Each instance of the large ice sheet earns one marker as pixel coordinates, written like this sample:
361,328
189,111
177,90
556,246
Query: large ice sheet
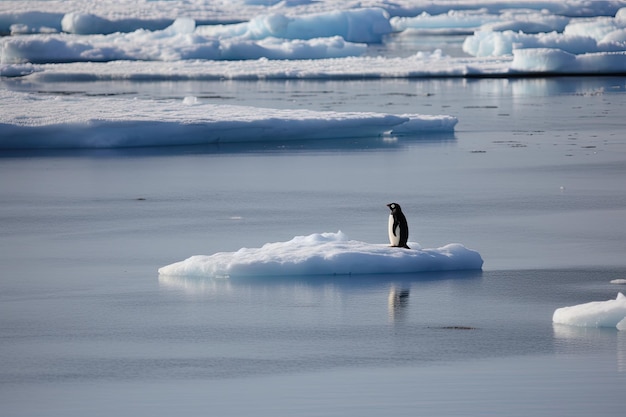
610,313
419,65
180,41
325,254
332,32
108,16
105,122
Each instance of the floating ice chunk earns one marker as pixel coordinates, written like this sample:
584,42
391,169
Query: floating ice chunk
619,281
596,28
542,60
454,21
84,24
611,313
467,21
547,60
325,254
614,40
273,48
191,101
358,25
528,22
179,41
599,34
486,43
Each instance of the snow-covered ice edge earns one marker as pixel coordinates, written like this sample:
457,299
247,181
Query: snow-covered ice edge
610,313
325,254
112,122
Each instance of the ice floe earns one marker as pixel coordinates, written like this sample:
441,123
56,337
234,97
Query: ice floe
468,21
610,313
600,34
325,254
75,122
180,41
420,65
367,25
108,16
173,31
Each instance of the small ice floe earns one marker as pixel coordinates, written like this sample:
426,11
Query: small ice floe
191,101
610,313
619,281
325,254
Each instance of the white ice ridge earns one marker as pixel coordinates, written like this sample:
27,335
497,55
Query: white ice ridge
107,122
180,41
325,254
523,61
419,65
610,313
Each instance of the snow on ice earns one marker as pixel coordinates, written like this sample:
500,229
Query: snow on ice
72,122
610,313
325,254
359,25
528,36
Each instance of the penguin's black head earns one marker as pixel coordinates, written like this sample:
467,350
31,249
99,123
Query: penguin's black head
394,207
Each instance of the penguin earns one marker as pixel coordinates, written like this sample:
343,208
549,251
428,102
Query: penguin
398,227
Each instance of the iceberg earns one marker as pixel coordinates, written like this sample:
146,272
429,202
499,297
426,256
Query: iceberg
325,254
610,313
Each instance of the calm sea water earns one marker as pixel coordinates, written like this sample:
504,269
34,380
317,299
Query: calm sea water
532,179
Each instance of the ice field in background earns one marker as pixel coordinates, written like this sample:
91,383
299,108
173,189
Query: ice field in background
174,31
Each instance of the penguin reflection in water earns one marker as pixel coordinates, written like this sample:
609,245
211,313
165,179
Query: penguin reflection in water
398,227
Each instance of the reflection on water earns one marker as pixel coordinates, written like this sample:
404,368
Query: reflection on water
621,351
195,285
397,303
574,339
398,296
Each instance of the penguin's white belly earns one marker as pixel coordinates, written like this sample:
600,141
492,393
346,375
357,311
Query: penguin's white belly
393,240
